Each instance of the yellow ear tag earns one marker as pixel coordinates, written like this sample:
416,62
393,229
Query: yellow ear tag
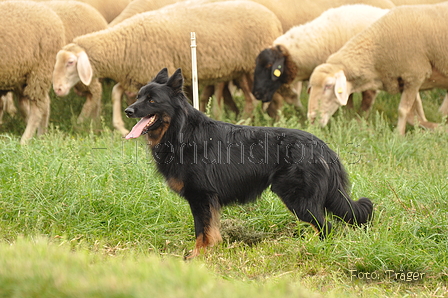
340,90
277,73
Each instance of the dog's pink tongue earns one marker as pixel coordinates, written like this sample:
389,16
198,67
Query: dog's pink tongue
138,128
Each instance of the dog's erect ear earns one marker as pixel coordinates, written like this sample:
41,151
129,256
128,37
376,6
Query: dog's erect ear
176,81
161,77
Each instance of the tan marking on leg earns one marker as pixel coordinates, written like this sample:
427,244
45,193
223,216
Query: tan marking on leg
211,234
175,184
200,246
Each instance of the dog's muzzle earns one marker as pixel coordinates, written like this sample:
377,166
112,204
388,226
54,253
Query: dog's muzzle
129,112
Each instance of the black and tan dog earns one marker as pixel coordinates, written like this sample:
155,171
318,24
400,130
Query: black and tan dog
212,164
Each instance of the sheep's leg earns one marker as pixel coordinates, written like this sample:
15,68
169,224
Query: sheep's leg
37,114
218,106
206,93
92,107
117,120
408,97
297,88
291,93
2,107
368,99
7,105
223,95
274,106
44,106
245,84
444,107
24,107
228,99
420,114
350,104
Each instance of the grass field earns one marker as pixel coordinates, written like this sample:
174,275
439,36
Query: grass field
83,213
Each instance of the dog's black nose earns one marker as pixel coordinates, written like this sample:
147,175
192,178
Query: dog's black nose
129,112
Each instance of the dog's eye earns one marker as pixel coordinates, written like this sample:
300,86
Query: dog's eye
151,101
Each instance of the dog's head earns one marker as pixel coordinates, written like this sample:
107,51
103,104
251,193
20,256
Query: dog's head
156,104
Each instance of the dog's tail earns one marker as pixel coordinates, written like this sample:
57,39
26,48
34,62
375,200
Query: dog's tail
339,202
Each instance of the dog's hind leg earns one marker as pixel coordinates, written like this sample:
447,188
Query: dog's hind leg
306,203
206,213
308,212
307,209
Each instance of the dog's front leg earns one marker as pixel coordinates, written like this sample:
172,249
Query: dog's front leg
206,213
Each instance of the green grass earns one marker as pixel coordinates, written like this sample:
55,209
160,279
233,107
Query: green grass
84,213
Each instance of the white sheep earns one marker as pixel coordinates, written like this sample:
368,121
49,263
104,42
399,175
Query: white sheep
220,90
138,6
31,36
298,12
289,12
109,9
79,19
404,51
444,107
293,56
414,2
229,36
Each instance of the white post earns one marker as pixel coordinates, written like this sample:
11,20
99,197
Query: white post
194,70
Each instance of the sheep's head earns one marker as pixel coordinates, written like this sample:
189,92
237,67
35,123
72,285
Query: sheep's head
72,65
273,68
329,89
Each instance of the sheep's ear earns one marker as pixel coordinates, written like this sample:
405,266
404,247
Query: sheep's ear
176,81
341,88
277,68
85,71
162,76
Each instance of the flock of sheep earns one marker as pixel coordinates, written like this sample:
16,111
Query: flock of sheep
267,47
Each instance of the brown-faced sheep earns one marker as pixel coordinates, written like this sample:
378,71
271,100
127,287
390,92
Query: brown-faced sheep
31,35
404,51
133,51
